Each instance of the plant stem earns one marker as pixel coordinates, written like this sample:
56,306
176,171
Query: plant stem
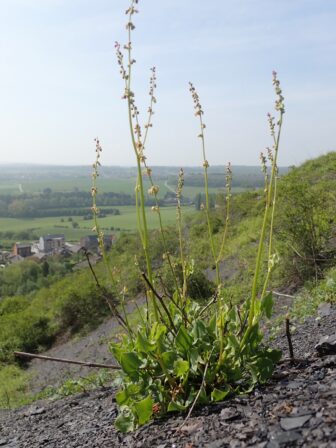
264,226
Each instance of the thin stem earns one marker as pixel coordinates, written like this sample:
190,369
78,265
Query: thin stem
263,229
137,146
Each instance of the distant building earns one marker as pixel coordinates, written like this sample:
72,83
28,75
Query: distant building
73,248
51,243
15,258
90,242
23,250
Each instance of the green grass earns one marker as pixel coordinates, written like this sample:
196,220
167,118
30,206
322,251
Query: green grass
126,221
313,295
13,387
122,185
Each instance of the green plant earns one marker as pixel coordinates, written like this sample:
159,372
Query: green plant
182,352
305,226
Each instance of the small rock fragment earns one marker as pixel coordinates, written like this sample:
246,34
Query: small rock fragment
283,438
324,309
288,423
229,414
326,345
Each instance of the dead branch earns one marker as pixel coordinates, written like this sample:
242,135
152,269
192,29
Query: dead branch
67,361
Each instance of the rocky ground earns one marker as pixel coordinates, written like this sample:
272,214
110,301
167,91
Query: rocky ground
296,408
91,347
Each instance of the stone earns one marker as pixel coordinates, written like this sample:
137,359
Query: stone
34,410
326,345
229,414
288,423
283,438
324,309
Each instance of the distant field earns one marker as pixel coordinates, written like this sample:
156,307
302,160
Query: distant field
104,185
126,221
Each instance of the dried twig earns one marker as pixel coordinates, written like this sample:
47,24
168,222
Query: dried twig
67,361
157,295
289,339
197,396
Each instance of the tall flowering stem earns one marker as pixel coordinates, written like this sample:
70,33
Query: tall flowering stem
95,210
179,225
228,187
198,113
270,197
137,143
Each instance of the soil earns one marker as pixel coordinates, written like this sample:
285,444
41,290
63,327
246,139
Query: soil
297,407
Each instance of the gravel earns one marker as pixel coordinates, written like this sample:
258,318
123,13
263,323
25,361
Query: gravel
296,408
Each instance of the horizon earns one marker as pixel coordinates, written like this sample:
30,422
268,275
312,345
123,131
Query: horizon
60,87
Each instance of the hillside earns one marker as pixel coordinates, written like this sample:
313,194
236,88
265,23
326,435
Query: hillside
52,315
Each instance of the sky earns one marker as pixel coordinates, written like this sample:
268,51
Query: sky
60,86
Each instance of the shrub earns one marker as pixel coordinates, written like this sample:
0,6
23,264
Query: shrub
305,225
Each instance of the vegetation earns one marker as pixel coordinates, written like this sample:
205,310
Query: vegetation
183,352
306,222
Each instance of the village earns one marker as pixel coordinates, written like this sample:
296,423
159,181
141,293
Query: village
55,245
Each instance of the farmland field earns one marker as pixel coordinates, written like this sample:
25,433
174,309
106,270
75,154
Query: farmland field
126,221
105,185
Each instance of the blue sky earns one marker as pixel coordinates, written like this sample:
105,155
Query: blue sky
60,86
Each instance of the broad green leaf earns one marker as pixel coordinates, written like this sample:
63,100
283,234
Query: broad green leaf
266,368
144,409
212,324
233,343
183,340
199,331
121,397
274,355
157,330
219,395
143,344
202,398
130,362
173,407
168,359
266,305
181,367
194,358
133,389
125,422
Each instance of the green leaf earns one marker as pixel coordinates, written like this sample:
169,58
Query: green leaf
233,343
266,305
212,324
181,367
157,331
125,422
219,395
173,406
143,344
266,368
274,355
262,368
183,340
144,409
194,358
121,397
168,359
199,331
134,389
130,362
